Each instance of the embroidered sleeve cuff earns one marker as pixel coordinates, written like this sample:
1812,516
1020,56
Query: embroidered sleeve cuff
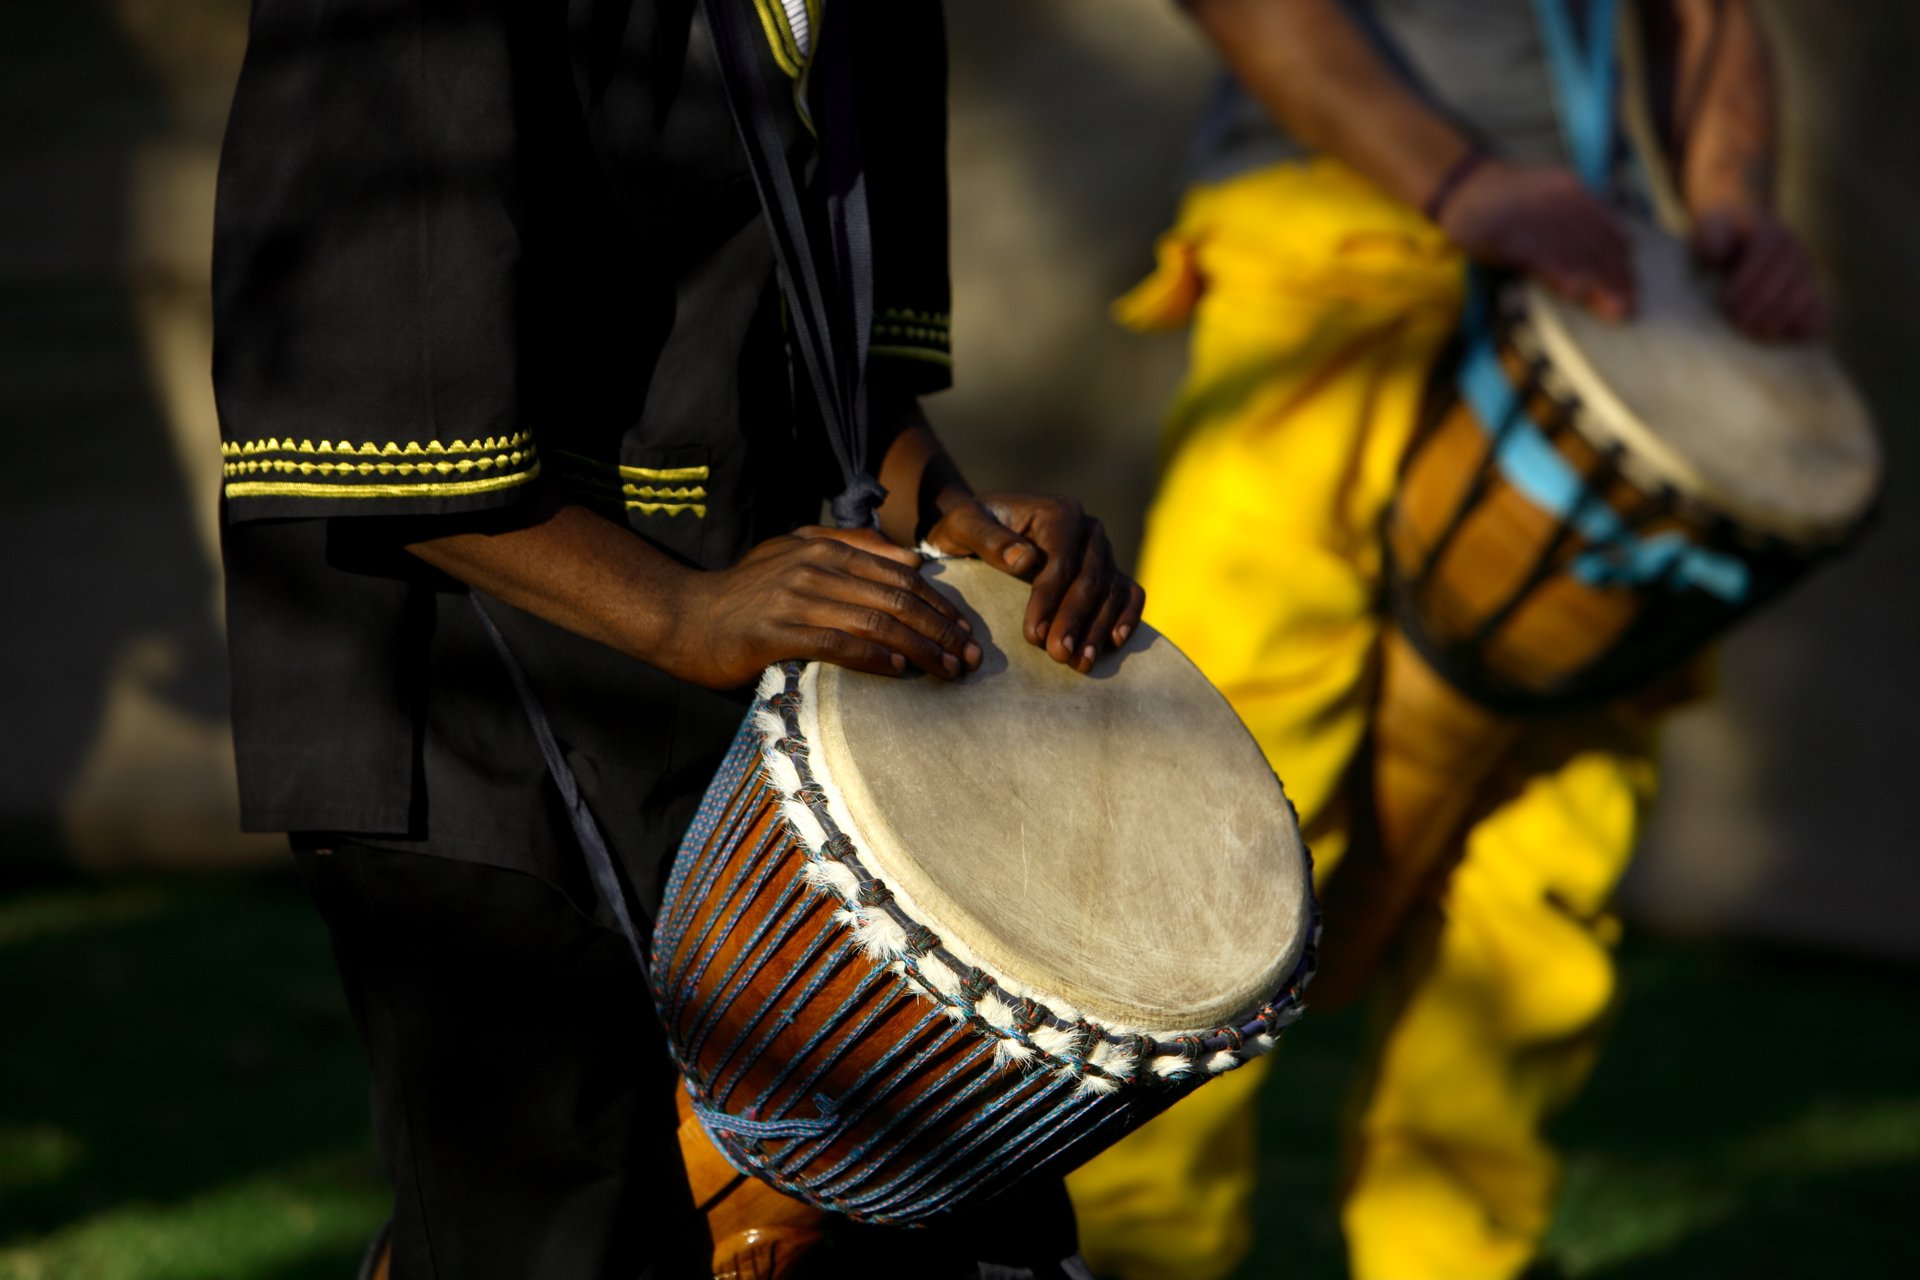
286,477
917,344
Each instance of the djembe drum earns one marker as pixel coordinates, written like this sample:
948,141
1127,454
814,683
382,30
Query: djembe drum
925,939
1596,502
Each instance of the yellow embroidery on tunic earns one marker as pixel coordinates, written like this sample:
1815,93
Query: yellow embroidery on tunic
667,491
254,466
370,448
929,354
928,319
786,50
913,335
663,473
442,489
699,509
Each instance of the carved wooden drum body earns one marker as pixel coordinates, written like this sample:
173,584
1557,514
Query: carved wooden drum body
926,939
1600,499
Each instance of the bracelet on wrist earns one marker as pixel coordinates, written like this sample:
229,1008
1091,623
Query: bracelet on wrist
1435,205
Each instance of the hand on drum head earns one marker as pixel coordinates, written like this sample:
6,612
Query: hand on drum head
1082,602
1541,220
845,596
1771,291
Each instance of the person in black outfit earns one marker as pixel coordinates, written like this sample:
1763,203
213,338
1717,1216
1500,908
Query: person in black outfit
497,319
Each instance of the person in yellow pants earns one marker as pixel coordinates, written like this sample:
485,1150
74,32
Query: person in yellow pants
1319,301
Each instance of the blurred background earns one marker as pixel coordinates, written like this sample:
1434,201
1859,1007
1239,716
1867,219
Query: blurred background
180,1093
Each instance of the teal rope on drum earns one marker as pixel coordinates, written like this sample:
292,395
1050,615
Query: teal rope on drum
1617,555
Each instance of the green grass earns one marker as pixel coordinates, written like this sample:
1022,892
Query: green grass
181,1098
180,1089
1754,1114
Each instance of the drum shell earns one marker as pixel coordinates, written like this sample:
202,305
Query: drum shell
1482,579
771,1009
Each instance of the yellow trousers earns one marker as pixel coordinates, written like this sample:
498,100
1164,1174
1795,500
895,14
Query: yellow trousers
1317,308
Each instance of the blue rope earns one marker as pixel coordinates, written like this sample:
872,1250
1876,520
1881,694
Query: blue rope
1007,1108
875,981
1616,555
726,1070
862,1150
739,895
717,1121
737,975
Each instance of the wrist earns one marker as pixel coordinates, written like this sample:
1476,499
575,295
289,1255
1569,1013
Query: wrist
667,628
1447,186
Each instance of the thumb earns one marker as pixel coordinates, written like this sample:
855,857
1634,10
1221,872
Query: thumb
969,529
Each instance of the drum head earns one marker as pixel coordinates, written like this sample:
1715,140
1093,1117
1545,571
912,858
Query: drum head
1114,841
1773,436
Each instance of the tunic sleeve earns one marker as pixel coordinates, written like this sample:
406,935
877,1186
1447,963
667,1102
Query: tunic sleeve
902,101
370,248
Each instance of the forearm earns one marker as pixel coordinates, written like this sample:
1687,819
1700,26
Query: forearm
1315,72
1726,112
580,571
921,480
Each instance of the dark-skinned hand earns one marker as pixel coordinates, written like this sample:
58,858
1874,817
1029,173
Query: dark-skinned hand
849,597
1542,220
1082,602
1771,292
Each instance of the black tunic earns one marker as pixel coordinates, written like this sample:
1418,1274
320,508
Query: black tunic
468,249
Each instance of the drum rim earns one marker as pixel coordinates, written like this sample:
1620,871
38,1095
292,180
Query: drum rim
1532,321
1030,1026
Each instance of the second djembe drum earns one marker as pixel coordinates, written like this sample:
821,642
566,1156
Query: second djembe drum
1601,499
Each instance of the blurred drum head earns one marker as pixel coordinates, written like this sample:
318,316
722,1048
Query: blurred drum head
1773,436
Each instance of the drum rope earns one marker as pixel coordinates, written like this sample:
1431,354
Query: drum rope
1528,460
737,975
739,1053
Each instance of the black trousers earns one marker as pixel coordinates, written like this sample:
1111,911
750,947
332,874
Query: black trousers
521,1093
523,1097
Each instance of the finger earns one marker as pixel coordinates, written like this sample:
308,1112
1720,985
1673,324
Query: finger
874,569
1716,239
871,541
871,623
946,631
1105,620
1074,619
1761,296
1060,533
823,644
1810,317
1610,289
971,530
1129,620
1802,309
1579,284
